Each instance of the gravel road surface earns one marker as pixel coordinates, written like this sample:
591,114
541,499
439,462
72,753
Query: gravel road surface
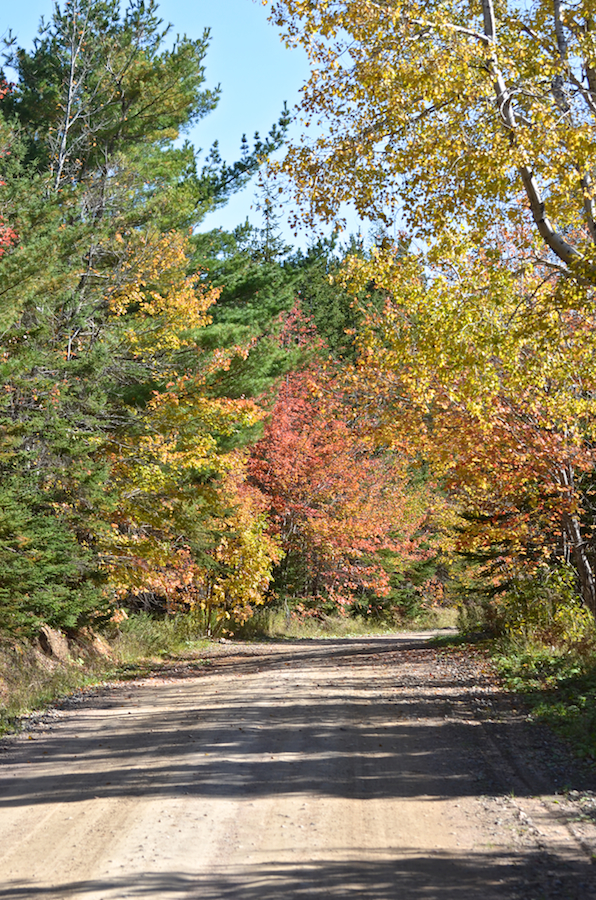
376,768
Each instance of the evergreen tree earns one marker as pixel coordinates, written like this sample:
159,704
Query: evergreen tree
258,291
102,99
99,315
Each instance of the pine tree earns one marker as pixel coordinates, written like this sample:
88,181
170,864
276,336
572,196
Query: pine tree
99,315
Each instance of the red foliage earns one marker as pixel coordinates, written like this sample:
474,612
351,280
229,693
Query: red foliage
333,501
8,237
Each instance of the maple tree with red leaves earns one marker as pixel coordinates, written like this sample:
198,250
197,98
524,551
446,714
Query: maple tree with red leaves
333,500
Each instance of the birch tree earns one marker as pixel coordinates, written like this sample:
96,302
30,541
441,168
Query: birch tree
494,382
445,113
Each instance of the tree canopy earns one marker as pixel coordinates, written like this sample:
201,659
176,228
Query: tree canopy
452,115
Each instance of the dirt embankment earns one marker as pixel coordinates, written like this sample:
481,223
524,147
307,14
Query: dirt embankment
376,768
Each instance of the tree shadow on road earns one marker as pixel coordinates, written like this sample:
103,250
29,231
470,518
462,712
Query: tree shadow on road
440,876
397,735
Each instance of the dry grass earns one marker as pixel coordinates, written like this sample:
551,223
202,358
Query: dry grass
30,680
278,624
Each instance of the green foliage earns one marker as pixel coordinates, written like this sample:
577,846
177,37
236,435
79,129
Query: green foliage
545,607
547,652
47,574
571,709
102,98
416,591
261,283
542,605
558,682
111,447
337,313
257,293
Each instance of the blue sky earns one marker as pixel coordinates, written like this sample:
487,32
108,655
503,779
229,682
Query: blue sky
256,72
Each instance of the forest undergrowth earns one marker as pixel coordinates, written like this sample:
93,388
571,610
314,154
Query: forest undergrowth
558,683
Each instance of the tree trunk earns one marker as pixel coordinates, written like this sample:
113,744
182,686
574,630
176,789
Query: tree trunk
581,562
576,544
557,243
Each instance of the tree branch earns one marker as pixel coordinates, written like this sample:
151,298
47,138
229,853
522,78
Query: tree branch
560,247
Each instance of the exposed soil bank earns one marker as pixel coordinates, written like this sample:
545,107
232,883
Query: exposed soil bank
377,768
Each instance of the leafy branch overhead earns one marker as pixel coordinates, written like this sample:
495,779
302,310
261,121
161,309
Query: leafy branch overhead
223,180
445,115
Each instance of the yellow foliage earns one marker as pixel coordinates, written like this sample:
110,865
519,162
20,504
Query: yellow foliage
154,294
174,483
247,555
448,112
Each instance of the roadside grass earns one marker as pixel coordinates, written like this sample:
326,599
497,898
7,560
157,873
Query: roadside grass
142,638
558,683
31,681
278,624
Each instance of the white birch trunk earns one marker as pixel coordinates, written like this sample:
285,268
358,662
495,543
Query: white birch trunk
576,544
565,251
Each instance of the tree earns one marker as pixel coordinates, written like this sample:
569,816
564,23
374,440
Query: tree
244,557
8,236
444,115
491,370
102,87
111,449
337,312
165,456
333,501
471,124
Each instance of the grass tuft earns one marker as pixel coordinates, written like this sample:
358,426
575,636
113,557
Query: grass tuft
280,624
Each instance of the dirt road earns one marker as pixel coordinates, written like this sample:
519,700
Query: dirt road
373,768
